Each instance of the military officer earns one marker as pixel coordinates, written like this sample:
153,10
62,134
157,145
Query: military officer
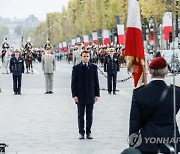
6,55
28,46
77,55
152,110
5,47
17,68
47,46
48,67
5,44
111,66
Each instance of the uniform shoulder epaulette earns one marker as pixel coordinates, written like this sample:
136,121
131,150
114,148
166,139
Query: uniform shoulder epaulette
139,87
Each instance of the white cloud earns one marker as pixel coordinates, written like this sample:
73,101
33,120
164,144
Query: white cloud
24,8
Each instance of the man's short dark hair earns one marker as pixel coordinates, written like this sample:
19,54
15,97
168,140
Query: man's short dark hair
85,51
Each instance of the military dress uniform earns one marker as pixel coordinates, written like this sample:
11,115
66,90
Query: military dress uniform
28,46
48,67
111,66
5,47
153,118
47,46
17,68
76,57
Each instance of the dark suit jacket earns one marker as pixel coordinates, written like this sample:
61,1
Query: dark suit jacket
16,66
144,100
111,66
85,83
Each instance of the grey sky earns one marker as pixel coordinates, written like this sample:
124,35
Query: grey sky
24,8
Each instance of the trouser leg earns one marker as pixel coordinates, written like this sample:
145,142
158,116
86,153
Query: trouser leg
15,83
114,82
19,77
89,118
81,111
51,81
47,81
109,82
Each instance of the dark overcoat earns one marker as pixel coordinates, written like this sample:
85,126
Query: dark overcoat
85,83
144,101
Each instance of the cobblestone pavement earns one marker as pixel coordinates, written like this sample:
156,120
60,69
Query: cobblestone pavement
35,123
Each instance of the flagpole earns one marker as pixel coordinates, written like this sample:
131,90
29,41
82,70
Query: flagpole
174,92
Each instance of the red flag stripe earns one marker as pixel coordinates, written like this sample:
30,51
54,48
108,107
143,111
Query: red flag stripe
134,45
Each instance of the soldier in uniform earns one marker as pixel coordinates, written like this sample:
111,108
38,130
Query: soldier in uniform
48,67
6,55
76,54
111,66
17,68
5,47
152,111
47,46
28,46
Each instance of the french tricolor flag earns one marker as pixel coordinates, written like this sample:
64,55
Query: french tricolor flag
106,39
134,47
121,37
86,40
95,37
167,24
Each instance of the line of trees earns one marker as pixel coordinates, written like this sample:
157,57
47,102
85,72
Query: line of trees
85,16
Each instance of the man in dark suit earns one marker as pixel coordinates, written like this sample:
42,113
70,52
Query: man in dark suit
85,91
150,116
111,66
17,68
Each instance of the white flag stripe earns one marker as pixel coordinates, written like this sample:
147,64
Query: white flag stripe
78,39
120,29
105,33
86,38
73,41
94,35
167,19
60,45
64,44
134,19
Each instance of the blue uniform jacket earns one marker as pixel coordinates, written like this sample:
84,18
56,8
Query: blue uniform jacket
16,66
111,66
144,100
85,83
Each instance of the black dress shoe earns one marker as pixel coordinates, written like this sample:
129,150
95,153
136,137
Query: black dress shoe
15,93
47,92
50,92
89,136
81,136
